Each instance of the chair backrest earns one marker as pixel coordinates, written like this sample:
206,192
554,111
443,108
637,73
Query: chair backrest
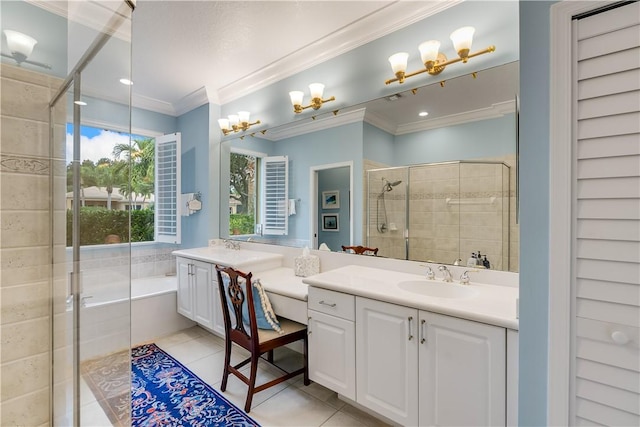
235,291
361,250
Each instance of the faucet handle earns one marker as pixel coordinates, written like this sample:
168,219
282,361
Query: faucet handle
430,274
464,278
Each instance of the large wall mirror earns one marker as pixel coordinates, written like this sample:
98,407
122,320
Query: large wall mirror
437,187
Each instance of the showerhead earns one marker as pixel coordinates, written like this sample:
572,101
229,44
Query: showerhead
388,186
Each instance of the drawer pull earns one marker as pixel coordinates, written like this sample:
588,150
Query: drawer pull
410,318
330,304
619,337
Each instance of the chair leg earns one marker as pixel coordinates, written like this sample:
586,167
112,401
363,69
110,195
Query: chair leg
270,356
306,361
227,362
252,382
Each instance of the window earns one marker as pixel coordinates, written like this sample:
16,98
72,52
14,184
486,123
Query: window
117,177
257,189
167,176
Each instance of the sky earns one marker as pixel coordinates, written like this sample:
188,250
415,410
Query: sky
95,143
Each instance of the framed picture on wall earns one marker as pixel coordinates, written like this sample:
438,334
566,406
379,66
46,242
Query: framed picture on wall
331,199
330,222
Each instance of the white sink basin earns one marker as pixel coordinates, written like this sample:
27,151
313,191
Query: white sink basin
437,289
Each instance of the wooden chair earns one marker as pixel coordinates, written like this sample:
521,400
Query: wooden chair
361,250
256,341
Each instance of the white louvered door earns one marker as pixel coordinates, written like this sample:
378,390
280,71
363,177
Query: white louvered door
605,378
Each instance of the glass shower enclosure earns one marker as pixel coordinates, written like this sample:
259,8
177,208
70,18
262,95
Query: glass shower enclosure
441,212
91,338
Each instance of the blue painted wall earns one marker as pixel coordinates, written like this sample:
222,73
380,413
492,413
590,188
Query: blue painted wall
534,208
378,145
194,127
481,139
331,180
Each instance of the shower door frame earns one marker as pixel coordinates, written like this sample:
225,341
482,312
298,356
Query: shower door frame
74,78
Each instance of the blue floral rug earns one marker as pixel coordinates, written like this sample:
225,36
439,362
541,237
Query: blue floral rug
162,392
165,393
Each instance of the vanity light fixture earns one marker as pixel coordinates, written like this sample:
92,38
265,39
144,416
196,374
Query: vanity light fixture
236,122
434,61
316,90
21,46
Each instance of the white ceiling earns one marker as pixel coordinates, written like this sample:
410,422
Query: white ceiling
187,53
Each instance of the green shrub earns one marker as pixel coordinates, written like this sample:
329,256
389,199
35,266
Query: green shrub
97,223
241,224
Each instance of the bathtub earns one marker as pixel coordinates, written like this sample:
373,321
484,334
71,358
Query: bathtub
105,314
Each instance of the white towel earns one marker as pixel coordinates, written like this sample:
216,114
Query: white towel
292,207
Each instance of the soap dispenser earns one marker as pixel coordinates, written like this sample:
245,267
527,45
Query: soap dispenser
472,261
486,263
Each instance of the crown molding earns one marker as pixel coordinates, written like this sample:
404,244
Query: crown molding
303,126
384,21
493,112
152,104
380,122
91,14
195,99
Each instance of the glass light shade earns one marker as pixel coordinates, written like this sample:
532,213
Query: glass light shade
398,61
224,124
233,119
316,90
244,116
429,50
296,97
462,38
20,43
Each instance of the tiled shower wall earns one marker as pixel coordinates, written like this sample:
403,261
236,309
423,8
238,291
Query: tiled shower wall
26,251
452,213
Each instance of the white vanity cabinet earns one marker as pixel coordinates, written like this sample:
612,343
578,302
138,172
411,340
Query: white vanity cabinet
331,329
421,368
195,291
461,372
387,360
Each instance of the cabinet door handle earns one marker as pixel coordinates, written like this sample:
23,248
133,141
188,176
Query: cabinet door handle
327,303
410,318
309,325
423,338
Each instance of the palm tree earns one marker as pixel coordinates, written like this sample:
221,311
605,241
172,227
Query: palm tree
109,174
139,168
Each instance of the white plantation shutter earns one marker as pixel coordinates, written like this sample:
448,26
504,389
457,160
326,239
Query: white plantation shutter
167,189
606,216
275,180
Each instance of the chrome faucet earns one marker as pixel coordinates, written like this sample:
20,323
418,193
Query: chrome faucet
231,244
464,278
446,274
430,274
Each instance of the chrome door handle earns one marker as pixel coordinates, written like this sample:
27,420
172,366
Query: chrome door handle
410,318
422,334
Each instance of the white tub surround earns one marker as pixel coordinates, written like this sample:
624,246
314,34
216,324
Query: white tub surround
491,304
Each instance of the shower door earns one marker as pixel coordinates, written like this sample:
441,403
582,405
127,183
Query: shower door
91,334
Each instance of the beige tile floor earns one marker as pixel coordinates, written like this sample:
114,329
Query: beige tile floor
287,404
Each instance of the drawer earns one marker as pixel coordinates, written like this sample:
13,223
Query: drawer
331,302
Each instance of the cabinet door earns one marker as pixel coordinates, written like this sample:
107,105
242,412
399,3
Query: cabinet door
203,302
387,359
332,353
218,319
462,372
185,296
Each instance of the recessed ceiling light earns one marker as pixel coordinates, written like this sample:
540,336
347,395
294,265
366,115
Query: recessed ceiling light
126,82
423,114
82,103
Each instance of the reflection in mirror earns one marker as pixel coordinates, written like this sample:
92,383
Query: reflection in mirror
469,118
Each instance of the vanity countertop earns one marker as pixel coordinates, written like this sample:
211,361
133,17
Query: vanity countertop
491,304
243,258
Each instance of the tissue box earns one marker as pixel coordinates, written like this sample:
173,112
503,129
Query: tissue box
306,265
